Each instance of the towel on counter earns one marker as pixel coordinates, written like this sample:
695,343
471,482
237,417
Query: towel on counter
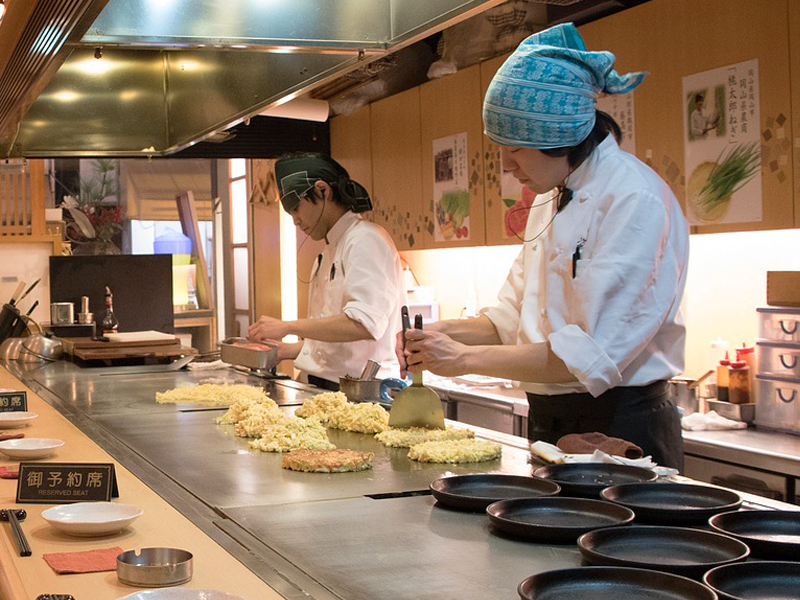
208,366
586,443
7,473
88,561
710,421
548,453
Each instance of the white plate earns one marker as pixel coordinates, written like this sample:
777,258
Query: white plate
180,593
21,449
15,419
87,519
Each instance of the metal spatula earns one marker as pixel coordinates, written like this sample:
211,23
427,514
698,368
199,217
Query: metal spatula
416,405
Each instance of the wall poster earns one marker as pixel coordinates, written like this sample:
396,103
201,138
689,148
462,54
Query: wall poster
721,130
451,188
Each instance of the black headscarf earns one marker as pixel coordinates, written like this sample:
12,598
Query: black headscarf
296,175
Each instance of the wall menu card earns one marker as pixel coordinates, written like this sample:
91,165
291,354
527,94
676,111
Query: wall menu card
13,401
61,483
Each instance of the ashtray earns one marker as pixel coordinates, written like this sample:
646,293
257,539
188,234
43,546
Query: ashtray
154,567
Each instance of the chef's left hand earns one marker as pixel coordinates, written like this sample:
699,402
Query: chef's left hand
435,352
267,328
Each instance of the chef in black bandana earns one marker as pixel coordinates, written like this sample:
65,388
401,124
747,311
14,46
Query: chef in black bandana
356,285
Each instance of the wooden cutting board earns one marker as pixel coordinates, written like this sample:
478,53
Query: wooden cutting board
89,349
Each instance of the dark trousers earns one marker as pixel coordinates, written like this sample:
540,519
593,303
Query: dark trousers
643,415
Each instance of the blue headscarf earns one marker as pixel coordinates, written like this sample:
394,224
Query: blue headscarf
544,94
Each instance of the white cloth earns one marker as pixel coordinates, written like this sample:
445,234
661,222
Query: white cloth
710,421
360,274
208,366
617,322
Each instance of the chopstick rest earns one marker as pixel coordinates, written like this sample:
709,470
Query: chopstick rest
14,516
6,473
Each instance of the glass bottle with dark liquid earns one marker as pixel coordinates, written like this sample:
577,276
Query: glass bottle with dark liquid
110,324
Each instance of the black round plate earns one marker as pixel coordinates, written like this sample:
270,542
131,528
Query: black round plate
477,491
757,580
617,583
673,503
678,550
773,534
586,480
555,519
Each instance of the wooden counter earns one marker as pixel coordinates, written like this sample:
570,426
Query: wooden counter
161,525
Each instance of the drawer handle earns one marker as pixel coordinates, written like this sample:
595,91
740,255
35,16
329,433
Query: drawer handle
789,399
793,361
786,331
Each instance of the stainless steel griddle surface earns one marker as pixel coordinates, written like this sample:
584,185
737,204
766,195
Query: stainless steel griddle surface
211,462
400,548
97,392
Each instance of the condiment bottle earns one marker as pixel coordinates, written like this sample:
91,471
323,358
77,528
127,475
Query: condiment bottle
722,378
739,382
748,354
110,323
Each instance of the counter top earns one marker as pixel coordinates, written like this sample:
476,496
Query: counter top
160,525
350,536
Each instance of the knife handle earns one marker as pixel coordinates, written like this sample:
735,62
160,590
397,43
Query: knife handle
406,323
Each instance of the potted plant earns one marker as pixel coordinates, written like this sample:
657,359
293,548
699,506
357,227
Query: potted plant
95,217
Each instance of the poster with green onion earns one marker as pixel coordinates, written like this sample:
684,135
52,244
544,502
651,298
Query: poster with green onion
451,189
721,128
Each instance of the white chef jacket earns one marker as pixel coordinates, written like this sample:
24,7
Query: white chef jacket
617,321
359,273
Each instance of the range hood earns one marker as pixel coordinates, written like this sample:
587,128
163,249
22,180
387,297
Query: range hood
129,78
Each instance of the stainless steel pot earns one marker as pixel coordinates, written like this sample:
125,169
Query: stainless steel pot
369,390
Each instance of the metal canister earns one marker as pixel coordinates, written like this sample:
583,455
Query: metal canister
62,313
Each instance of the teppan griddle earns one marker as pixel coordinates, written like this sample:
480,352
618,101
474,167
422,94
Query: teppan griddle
677,550
673,503
555,519
477,491
757,580
619,583
586,480
773,534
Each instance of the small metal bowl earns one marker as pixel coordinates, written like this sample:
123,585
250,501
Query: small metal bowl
154,567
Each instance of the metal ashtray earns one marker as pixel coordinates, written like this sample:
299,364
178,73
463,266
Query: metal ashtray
154,567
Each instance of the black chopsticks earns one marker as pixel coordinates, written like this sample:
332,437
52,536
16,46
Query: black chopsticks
14,516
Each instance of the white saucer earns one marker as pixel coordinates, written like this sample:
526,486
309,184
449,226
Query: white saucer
9,420
180,593
88,519
24,448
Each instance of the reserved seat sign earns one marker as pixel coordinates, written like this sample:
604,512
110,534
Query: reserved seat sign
13,401
62,483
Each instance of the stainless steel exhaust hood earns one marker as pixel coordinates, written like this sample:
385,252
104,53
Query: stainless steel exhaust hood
151,77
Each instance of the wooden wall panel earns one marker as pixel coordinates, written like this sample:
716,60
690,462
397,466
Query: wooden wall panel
450,106
351,145
396,168
495,207
675,38
794,62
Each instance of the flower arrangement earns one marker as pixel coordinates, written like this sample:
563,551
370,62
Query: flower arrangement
92,217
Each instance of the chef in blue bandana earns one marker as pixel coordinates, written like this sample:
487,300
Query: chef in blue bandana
589,318
356,286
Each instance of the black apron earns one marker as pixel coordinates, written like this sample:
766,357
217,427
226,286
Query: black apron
643,415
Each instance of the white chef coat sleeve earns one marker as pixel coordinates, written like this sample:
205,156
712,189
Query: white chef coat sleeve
505,315
622,293
373,280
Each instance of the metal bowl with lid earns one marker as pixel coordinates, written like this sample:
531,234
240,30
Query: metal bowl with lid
154,567
42,346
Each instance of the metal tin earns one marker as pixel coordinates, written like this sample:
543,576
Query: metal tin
255,358
154,567
62,313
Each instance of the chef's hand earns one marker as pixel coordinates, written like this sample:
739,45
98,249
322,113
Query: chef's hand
433,351
267,328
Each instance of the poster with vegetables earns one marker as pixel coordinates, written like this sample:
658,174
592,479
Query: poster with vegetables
450,188
721,130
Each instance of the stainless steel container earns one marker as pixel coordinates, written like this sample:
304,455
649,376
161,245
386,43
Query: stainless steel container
779,324
778,403
682,395
62,313
360,390
781,359
243,352
154,567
